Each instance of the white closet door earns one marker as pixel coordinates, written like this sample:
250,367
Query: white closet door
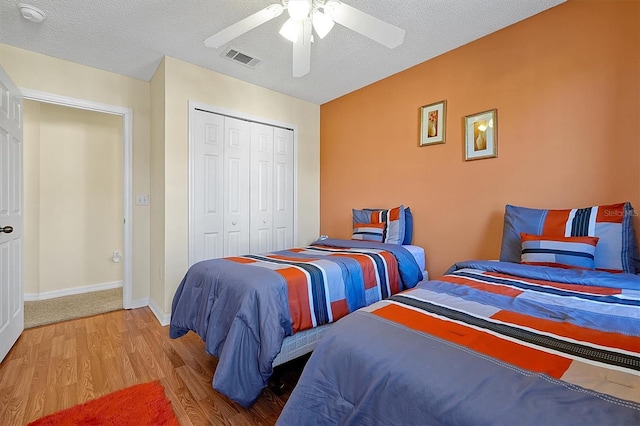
261,188
11,220
208,194
236,186
242,184
283,172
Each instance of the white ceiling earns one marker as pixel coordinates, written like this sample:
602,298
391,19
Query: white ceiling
130,37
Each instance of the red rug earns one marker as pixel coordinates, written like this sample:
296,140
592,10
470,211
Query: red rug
139,405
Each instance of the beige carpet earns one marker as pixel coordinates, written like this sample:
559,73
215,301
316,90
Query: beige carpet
70,307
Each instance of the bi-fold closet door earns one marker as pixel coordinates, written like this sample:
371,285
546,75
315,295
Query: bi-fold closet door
243,187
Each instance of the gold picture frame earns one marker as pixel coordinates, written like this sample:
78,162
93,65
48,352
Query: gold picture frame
433,123
481,135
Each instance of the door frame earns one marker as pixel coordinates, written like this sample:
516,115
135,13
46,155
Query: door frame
127,171
194,105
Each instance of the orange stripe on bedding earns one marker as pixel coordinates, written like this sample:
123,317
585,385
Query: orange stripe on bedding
489,288
376,217
583,334
573,287
339,308
479,341
298,294
241,259
613,271
394,214
555,224
613,213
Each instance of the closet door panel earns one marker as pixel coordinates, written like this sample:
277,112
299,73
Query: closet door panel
236,183
208,176
261,188
243,187
283,188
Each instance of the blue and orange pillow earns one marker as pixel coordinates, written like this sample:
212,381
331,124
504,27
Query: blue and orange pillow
616,249
368,231
394,220
559,252
408,224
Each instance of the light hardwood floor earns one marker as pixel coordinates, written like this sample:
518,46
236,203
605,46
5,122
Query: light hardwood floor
59,365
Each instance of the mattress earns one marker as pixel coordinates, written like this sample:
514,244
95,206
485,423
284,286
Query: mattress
305,341
418,254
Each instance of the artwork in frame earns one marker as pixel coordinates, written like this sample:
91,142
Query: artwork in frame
432,123
481,135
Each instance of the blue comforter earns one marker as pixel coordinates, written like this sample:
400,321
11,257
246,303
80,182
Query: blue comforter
241,312
488,343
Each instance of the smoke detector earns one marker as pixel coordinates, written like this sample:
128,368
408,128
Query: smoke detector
31,13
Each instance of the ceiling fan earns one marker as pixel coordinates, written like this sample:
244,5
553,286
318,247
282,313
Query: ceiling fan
305,15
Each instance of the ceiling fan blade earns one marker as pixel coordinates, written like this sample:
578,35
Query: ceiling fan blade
244,25
365,24
302,51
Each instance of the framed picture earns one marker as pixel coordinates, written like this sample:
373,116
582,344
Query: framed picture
432,123
481,135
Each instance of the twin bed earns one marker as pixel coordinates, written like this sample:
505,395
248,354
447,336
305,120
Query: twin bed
257,311
550,334
488,343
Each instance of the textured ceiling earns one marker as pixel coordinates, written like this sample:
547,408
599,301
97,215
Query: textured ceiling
131,37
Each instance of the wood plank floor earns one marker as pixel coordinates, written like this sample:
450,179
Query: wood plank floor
56,366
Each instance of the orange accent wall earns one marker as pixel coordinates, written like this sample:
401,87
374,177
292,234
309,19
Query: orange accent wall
566,84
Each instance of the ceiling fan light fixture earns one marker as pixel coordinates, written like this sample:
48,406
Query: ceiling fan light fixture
330,7
291,30
299,9
321,23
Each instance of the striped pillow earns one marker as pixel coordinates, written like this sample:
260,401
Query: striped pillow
560,252
393,218
617,249
368,231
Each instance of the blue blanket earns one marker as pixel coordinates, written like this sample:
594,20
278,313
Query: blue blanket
241,311
488,343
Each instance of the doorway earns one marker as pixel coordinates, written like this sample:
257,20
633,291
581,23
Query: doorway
118,253
72,213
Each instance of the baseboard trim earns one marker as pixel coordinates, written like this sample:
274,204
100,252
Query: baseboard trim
163,319
138,303
33,297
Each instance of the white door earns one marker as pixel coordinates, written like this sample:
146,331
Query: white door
209,177
237,152
261,216
283,173
11,279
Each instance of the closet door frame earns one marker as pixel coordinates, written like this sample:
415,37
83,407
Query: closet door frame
193,106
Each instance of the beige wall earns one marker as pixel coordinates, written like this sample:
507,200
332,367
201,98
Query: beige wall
31,184
566,84
160,148
185,82
73,197
157,186
39,72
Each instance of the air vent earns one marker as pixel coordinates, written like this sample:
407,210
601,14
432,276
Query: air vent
241,58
